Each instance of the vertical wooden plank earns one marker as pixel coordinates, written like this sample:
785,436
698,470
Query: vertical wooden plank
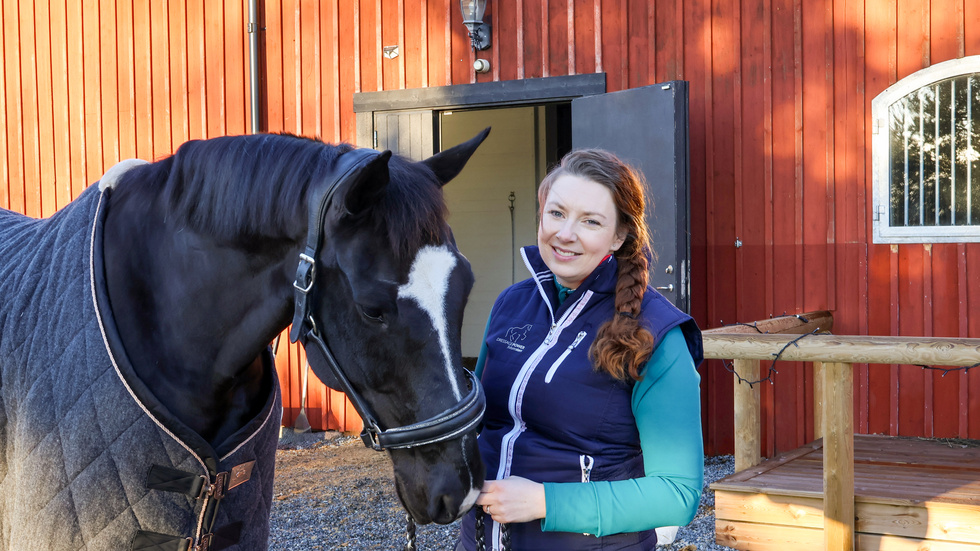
76,95
818,122
309,61
214,70
159,32
913,52
782,184
880,44
109,92
838,458
235,44
93,91
945,315
669,35
973,300
597,40
640,40
850,208
292,85
819,400
971,28
197,103
331,72
29,98
613,50
531,39
943,308
715,388
438,33
390,23
542,19
558,39
416,50
179,98
572,34
143,79
11,104
722,168
350,78
369,53
963,377
509,35
273,46
753,212
59,84
45,104
748,431
125,80
911,379
583,30
6,191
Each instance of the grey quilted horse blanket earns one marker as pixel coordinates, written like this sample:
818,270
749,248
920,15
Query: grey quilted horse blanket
89,459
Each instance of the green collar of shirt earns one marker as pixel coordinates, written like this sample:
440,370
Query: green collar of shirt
563,291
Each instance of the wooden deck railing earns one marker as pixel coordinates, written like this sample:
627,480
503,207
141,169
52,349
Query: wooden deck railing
832,356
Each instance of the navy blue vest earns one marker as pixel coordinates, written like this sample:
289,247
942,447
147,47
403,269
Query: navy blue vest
549,413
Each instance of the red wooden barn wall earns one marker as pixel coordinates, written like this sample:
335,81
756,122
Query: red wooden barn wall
780,94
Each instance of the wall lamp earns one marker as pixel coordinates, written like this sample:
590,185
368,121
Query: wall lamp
473,19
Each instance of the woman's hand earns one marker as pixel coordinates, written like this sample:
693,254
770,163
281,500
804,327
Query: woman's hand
513,499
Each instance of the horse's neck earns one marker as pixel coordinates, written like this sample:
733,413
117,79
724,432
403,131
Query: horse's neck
194,316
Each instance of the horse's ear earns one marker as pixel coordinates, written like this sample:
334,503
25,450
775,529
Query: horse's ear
449,163
370,185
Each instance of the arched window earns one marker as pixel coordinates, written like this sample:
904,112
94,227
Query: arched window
926,156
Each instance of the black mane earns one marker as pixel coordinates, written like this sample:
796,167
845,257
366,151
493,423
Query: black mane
254,187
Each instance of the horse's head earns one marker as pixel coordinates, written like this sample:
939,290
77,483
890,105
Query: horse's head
388,305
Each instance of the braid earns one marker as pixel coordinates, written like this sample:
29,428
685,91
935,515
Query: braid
622,346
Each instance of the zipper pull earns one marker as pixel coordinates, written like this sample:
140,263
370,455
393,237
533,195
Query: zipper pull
586,467
578,339
551,333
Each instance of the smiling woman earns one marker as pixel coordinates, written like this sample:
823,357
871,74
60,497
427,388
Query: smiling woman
593,407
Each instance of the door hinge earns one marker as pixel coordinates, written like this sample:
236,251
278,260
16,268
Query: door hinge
877,212
374,144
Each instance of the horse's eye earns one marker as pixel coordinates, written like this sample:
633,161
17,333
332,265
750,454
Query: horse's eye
372,314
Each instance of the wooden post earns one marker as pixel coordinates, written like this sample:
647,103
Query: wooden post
748,427
818,422
838,457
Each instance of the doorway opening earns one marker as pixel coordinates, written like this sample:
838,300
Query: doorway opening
493,202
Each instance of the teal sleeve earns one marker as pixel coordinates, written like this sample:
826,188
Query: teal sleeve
667,407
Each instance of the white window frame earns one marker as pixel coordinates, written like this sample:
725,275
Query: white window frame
883,232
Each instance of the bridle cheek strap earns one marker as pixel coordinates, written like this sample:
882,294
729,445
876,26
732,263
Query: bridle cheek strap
349,168
452,423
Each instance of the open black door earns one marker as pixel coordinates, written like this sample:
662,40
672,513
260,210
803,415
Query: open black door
647,127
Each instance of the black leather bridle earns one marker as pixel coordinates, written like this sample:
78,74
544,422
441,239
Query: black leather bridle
449,424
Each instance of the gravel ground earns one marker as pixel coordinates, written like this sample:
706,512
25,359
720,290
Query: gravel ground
333,493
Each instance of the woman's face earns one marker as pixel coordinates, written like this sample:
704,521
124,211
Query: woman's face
579,227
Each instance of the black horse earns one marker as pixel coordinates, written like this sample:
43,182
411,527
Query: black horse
191,266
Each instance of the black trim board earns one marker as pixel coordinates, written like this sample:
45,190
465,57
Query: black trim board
511,92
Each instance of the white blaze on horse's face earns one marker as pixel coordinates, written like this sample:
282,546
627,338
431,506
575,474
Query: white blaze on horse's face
428,282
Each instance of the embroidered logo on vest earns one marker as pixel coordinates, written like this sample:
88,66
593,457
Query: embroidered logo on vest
513,337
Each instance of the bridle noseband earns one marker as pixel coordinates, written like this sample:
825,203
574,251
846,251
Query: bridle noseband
449,424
